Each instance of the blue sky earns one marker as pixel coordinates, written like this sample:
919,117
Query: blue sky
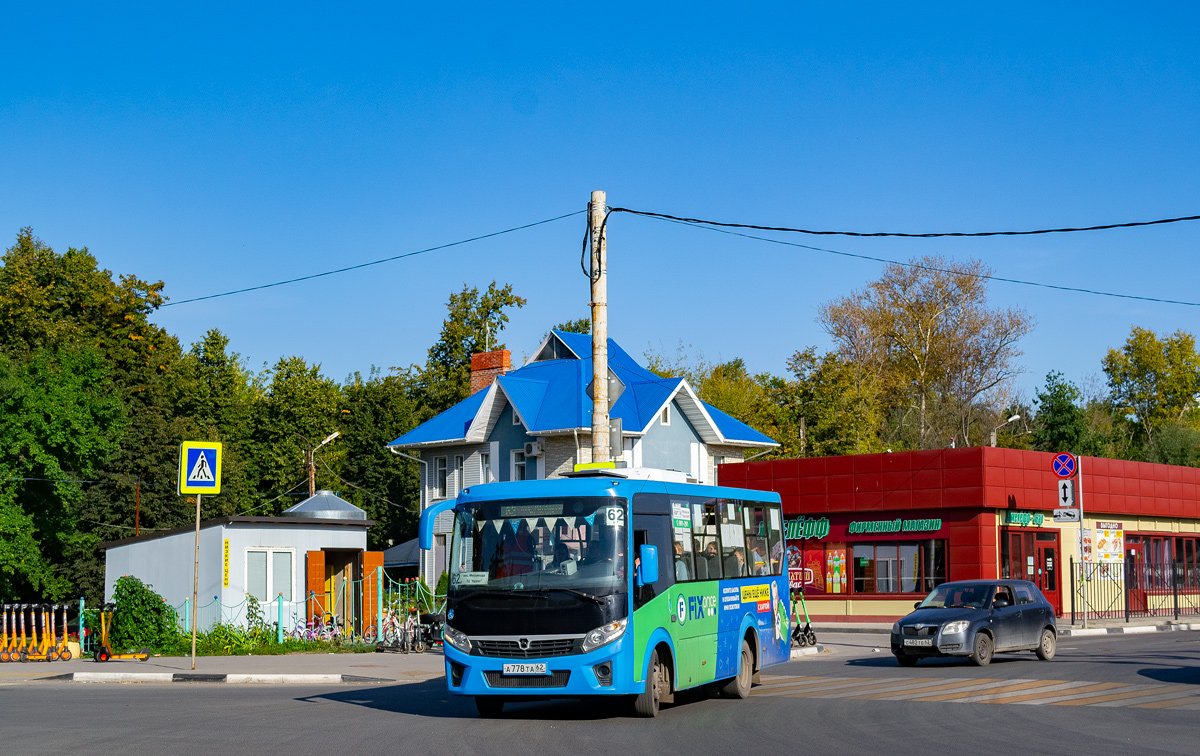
216,147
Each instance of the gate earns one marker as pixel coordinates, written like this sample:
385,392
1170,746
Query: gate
1136,589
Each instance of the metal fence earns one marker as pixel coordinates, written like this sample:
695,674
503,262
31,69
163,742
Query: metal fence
354,607
1133,590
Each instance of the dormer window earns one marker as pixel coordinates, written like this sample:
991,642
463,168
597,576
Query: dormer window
666,415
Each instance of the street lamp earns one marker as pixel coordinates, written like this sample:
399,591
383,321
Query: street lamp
1001,425
310,461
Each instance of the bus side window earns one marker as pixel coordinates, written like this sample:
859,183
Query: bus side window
775,539
733,538
704,541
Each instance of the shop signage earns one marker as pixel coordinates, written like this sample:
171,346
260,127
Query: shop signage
803,528
1025,519
893,526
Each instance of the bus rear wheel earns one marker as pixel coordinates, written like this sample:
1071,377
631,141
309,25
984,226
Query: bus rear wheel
739,685
489,706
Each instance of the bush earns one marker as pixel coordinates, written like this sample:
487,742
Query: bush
143,619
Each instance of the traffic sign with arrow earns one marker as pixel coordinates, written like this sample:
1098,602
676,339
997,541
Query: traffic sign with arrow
1066,493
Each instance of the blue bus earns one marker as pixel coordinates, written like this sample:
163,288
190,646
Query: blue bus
611,586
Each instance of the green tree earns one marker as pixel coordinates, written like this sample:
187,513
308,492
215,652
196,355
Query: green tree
580,325
376,410
473,324
837,402
1175,444
1060,423
1155,380
59,420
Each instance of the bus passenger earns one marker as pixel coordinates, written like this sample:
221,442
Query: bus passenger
681,567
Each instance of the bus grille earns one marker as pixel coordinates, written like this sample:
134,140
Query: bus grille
537,648
556,679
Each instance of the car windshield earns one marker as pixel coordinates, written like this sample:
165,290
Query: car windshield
564,545
948,595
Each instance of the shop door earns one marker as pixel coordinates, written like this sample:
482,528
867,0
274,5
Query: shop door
1047,569
1136,579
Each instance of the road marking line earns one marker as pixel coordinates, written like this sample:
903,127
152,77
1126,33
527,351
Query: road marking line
779,690
918,683
1083,692
1179,700
1190,707
1178,690
1136,693
778,680
817,692
1036,694
1005,687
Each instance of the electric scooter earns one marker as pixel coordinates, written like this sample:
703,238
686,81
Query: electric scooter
104,652
39,647
61,652
6,636
22,647
803,636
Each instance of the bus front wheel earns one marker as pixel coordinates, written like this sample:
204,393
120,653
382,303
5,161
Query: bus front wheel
739,685
489,706
645,704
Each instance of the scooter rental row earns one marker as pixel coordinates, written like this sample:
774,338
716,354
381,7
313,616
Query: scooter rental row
43,642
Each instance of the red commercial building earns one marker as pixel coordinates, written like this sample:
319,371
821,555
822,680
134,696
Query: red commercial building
869,534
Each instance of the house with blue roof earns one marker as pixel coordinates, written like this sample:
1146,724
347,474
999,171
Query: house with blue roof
534,423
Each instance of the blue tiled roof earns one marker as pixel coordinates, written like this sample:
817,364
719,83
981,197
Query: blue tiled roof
552,395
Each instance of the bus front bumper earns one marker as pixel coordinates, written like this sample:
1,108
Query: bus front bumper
606,671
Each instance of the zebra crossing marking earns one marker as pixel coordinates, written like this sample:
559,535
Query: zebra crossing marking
1019,691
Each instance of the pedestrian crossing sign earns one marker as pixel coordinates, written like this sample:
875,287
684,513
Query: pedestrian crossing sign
200,467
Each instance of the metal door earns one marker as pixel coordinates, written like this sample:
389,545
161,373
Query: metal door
1047,569
1136,580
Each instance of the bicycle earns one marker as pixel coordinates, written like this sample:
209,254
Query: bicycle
391,630
306,631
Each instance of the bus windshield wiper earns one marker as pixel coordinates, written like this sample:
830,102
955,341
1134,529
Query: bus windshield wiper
574,592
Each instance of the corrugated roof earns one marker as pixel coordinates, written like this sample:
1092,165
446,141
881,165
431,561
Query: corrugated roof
551,395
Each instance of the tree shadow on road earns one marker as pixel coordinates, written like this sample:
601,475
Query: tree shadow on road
430,699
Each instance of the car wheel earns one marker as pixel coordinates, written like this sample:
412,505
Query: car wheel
489,706
1045,649
906,661
981,654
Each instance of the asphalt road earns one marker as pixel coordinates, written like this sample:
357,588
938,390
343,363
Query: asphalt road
1115,694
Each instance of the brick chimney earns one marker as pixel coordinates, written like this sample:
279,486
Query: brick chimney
487,366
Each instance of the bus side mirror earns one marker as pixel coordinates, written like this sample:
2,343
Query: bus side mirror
648,571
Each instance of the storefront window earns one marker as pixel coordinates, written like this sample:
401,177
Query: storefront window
898,566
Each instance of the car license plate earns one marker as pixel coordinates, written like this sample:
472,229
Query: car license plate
525,669
918,641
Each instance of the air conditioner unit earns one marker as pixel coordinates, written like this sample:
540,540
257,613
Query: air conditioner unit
534,449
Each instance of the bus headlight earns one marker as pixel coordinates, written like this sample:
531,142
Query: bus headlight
457,639
603,635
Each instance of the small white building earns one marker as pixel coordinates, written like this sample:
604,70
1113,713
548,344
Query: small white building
311,560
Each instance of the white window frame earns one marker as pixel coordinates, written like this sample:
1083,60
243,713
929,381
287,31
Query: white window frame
272,594
665,417
441,489
516,417
459,469
485,467
512,461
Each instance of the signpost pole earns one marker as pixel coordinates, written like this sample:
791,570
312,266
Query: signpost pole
1082,554
196,580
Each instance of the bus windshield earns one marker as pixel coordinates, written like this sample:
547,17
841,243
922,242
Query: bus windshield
540,545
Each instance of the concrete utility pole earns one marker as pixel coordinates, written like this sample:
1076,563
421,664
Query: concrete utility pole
599,276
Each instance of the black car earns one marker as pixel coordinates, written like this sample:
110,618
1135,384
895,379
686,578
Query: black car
977,618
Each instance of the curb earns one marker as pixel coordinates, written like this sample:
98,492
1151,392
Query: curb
798,653
1078,632
199,677
834,629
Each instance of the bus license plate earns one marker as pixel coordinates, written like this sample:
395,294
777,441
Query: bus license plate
918,641
524,669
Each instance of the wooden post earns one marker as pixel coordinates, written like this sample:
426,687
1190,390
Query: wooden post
137,507
196,581
599,276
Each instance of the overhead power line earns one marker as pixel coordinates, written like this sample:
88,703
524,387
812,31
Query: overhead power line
374,262
920,266
701,221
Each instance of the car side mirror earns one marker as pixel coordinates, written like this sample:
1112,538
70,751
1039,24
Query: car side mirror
917,605
999,603
648,571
